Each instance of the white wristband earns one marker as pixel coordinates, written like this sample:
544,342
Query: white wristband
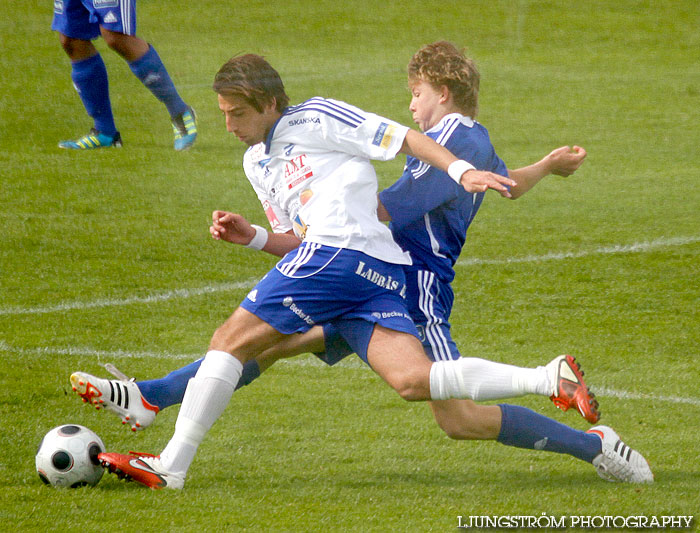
259,241
457,168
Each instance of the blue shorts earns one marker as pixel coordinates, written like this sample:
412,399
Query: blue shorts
81,19
429,304
317,284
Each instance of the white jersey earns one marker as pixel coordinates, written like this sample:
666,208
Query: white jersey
313,175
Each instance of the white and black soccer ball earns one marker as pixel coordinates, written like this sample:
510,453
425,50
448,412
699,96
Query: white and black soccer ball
67,457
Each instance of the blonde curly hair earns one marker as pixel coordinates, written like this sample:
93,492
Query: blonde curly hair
442,63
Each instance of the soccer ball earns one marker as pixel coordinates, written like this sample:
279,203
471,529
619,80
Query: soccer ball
67,457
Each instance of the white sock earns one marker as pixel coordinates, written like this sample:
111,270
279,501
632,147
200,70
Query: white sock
206,397
479,379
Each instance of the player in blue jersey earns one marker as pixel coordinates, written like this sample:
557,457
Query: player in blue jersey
78,23
360,331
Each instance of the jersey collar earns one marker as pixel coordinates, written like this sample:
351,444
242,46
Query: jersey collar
467,121
270,134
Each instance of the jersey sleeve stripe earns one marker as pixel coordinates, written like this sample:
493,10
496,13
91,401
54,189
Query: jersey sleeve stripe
447,131
441,138
342,114
420,170
342,107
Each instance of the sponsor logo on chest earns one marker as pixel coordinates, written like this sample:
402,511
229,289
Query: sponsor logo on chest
305,120
297,170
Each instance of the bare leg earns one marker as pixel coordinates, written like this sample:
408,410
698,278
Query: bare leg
400,360
244,336
466,420
77,49
129,47
292,345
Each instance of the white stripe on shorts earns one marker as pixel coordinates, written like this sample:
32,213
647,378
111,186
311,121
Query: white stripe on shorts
304,254
433,332
125,7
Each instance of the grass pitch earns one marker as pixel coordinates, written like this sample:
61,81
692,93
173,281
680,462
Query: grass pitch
105,256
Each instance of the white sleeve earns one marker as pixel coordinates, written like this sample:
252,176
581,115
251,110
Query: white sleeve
348,129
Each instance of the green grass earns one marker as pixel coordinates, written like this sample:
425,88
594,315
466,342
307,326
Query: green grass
309,448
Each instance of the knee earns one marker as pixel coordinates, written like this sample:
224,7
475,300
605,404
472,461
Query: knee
77,49
223,338
129,47
411,384
116,41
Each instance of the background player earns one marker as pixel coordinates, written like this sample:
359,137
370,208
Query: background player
80,21
383,340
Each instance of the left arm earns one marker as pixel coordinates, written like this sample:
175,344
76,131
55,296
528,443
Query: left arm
563,161
427,150
234,228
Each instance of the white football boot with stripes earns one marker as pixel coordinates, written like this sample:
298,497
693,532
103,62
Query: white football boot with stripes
617,461
119,395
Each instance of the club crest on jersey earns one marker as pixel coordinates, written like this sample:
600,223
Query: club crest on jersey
384,135
297,171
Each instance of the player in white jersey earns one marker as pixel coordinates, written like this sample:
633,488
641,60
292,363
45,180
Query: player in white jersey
296,294
336,277
311,174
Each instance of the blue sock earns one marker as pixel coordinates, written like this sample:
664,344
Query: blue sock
90,79
152,73
524,428
251,371
170,389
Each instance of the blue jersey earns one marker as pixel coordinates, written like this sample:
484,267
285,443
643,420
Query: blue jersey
430,212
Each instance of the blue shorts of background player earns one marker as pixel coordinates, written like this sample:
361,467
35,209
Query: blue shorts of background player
82,19
78,23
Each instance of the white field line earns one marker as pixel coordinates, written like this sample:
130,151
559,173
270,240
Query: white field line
188,293
623,395
605,250
105,356
112,302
